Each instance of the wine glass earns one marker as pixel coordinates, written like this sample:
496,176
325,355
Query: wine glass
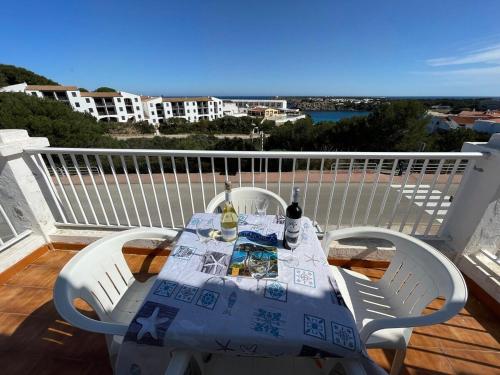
261,205
205,230
293,238
258,263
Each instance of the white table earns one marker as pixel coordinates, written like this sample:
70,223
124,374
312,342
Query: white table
194,305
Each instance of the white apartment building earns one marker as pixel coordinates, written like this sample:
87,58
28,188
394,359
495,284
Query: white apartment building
105,106
123,106
251,103
157,110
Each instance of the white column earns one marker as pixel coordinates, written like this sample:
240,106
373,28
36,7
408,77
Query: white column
21,185
474,222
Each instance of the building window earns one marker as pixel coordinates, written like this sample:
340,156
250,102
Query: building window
139,116
119,100
168,112
120,108
87,100
137,108
123,118
136,99
91,110
151,105
153,113
77,105
73,94
188,111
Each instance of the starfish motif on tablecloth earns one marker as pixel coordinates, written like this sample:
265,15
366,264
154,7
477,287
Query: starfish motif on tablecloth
149,324
216,263
224,347
313,259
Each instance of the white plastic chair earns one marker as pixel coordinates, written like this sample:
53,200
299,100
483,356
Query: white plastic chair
244,201
100,276
387,310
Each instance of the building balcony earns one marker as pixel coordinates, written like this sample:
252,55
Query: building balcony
54,201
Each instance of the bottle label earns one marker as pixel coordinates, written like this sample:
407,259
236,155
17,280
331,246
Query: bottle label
292,227
229,234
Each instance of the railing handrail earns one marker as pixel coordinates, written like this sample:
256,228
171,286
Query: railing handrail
258,154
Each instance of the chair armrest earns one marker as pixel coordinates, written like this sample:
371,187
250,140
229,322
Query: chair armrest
64,306
448,311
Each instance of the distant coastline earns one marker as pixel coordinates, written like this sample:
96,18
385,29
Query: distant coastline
319,116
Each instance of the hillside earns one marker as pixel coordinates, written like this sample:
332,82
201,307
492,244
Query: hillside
11,74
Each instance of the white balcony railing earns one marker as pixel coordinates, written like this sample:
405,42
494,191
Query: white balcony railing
409,192
8,233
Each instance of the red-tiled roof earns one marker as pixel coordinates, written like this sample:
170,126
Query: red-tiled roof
50,88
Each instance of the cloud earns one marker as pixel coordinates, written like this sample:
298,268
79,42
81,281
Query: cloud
486,55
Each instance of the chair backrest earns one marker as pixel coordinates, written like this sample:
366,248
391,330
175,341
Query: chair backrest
100,276
244,201
417,275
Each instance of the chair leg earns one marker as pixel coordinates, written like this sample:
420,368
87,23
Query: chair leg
397,363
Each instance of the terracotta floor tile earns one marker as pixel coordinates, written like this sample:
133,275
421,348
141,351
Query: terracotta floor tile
472,362
427,361
25,300
55,259
35,276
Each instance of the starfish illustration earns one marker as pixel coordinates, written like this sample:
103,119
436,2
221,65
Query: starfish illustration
313,259
149,324
224,347
216,263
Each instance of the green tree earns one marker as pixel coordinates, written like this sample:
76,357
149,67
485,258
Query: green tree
52,119
11,75
83,89
104,89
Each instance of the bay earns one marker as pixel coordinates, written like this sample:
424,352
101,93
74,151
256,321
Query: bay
318,116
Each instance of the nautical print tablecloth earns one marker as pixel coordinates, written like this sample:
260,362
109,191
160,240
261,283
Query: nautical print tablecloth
194,304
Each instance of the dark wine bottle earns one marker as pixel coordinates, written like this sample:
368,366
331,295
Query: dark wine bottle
292,219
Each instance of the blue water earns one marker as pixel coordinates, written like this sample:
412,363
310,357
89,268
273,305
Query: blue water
318,116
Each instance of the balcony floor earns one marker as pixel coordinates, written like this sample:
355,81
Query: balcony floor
35,340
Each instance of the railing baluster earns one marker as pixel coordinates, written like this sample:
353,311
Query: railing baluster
63,191
201,182
239,169
386,194
443,194
279,178
225,169
38,161
77,167
179,192
429,193
372,194
400,195
148,164
253,173
132,196
307,184
91,174
213,175
186,164
319,190
415,191
162,171
330,199
8,222
137,172
103,176
115,179
266,171
356,203
65,169
344,196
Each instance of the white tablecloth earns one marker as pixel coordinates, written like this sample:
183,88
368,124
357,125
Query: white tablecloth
194,304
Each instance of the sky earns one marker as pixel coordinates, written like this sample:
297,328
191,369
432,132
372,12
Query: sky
271,47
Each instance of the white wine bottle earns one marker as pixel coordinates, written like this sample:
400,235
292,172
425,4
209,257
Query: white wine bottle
229,217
